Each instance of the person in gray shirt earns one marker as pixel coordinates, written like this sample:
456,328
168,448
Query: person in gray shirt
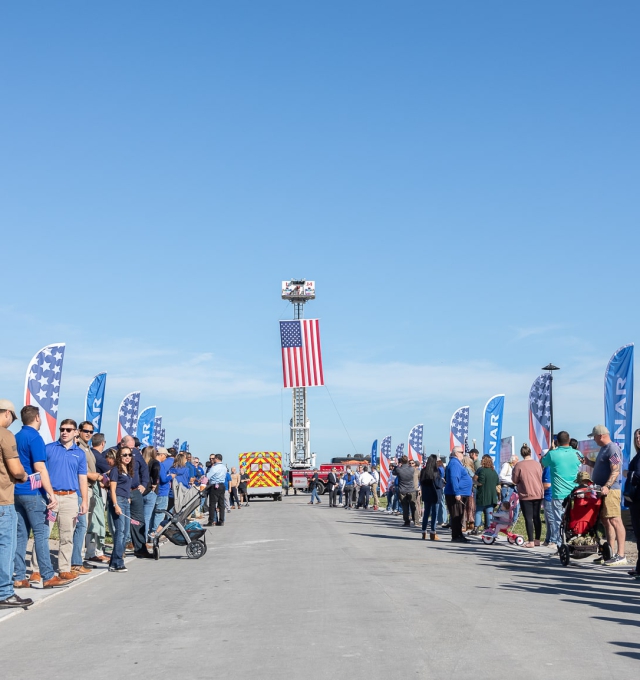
406,490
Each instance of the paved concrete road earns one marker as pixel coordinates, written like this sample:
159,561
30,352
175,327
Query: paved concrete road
293,591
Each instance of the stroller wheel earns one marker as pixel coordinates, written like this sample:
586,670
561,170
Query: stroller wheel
156,552
488,540
563,552
196,549
519,540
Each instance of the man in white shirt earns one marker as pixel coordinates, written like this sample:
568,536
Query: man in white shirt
366,480
374,487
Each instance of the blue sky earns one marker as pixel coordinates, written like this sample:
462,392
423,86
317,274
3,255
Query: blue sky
460,179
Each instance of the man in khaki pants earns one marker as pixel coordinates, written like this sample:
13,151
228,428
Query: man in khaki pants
67,466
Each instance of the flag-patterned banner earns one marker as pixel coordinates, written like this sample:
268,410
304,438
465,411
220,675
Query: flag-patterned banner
399,451
128,415
385,460
415,443
42,387
162,438
157,431
184,446
459,427
540,414
301,355
176,444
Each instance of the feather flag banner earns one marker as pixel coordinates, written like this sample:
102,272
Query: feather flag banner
42,387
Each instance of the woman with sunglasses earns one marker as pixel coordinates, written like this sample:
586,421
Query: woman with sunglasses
120,479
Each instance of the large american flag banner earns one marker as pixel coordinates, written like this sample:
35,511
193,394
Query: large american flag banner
301,355
415,443
42,387
162,438
176,444
385,460
128,415
540,414
459,429
399,451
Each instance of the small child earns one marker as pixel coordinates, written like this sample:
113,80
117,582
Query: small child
503,514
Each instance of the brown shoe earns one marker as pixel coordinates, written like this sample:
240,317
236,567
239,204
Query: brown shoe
55,582
434,537
25,583
98,559
69,575
424,536
129,546
79,569
35,577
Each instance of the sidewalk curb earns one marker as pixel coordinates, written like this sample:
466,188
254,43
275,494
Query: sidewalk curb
55,592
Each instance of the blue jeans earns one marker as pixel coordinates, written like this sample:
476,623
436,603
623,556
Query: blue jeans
31,512
78,537
8,539
120,524
158,515
314,494
149,502
442,509
556,517
488,516
430,511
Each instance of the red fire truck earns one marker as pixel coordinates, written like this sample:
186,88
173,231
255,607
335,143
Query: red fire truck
299,479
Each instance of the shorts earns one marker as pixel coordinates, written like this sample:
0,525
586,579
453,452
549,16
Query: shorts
611,504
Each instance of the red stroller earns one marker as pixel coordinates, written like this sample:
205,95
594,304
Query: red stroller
579,525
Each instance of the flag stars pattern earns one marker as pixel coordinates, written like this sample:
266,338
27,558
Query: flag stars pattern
44,378
128,413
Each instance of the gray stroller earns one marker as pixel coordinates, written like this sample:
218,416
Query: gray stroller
176,526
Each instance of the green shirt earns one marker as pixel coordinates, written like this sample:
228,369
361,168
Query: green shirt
564,464
487,493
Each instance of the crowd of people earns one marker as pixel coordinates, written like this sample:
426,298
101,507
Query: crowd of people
466,492
85,487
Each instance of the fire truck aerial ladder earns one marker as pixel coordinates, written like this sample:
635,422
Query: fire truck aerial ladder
298,292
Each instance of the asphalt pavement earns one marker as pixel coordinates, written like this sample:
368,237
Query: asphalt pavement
288,590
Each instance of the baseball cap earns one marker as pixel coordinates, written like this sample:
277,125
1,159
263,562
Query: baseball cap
6,405
583,476
598,430
161,449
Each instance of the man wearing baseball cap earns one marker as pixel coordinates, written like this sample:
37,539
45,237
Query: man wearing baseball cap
11,471
606,473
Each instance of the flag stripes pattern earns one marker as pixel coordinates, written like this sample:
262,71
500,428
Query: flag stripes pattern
540,414
301,354
459,427
415,443
385,460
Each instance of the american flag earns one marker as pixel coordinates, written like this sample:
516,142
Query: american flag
301,355
162,437
385,459
459,427
157,431
399,451
540,414
42,387
176,444
35,481
128,415
415,443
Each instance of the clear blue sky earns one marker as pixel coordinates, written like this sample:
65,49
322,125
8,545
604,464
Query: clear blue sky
460,179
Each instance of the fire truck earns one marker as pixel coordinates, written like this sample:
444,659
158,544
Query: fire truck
265,473
299,478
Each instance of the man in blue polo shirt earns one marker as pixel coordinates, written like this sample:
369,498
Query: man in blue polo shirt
32,504
67,466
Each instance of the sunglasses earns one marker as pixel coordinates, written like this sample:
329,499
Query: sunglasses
126,455
87,431
67,429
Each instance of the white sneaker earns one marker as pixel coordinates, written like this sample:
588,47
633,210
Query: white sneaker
616,561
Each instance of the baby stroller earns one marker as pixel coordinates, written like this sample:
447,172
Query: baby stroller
176,526
579,525
502,522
